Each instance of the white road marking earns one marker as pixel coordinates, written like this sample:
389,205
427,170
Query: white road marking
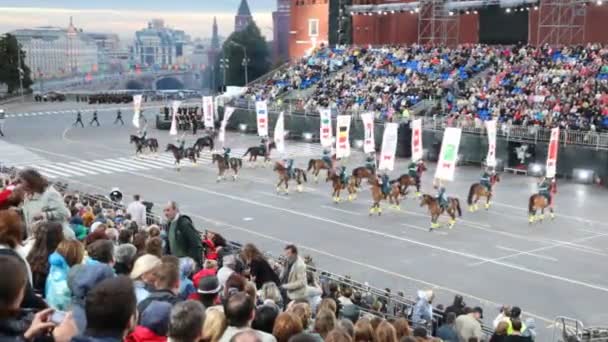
269,194
557,215
508,249
435,231
110,166
87,167
572,244
62,170
126,164
341,210
69,167
141,163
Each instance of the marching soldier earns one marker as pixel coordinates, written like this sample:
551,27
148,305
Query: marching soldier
119,118
78,120
94,119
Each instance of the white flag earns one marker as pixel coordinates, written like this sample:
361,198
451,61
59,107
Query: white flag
369,144
136,110
208,107
417,139
342,132
279,133
325,128
174,107
448,156
552,153
261,111
389,146
491,129
227,113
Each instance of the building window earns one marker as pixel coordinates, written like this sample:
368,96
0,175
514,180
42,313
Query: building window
313,27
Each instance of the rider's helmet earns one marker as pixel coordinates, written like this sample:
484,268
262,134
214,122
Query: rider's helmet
325,151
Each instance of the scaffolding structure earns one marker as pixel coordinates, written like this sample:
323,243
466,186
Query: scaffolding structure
561,22
437,25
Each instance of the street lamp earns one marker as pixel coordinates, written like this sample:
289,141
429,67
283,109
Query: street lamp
224,65
246,60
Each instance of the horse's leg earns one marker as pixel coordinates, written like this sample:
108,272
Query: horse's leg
552,215
542,213
488,200
434,217
286,185
532,214
220,174
279,184
299,187
316,173
452,213
235,168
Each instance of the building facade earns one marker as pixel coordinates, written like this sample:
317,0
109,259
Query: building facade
243,17
58,52
309,26
281,26
159,46
109,53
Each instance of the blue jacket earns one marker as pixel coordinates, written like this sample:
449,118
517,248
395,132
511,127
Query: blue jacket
81,280
57,292
447,333
423,310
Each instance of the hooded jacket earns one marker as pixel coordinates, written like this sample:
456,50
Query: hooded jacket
423,310
81,280
57,292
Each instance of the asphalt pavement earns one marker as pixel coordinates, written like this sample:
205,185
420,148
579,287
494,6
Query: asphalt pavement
491,257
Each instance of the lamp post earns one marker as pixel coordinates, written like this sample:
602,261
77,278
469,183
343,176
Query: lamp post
224,65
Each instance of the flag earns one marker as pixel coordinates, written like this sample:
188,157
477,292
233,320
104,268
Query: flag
491,129
448,156
261,110
279,133
417,139
389,146
136,110
325,134
175,106
227,113
369,145
342,139
208,111
552,154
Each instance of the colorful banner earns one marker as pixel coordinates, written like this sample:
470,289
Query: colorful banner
325,133
279,133
389,146
208,111
417,140
491,129
175,106
136,110
552,154
227,114
369,144
342,139
261,111
448,156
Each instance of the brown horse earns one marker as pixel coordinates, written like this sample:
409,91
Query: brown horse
234,163
476,191
436,210
338,186
300,177
404,181
539,202
319,164
360,173
377,196
178,154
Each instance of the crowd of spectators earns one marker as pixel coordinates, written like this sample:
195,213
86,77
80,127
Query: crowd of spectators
86,270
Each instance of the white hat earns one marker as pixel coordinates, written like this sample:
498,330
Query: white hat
143,264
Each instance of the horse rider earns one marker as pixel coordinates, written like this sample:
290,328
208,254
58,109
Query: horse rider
442,196
78,120
289,166
370,162
544,188
327,158
342,174
182,144
385,185
486,179
227,154
264,146
119,118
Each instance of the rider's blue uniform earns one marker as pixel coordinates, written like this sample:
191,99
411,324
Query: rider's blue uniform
370,163
327,158
485,180
544,189
343,177
442,197
227,153
289,167
385,184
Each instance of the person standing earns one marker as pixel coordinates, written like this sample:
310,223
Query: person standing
137,211
2,119
78,120
183,239
119,118
94,119
293,277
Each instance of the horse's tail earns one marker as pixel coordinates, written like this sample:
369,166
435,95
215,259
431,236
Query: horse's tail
531,204
304,176
211,144
458,207
311,163
248,151
471,193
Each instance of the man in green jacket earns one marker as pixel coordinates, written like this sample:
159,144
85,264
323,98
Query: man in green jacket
183,239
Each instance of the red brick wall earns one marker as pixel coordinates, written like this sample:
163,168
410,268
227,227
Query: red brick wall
595,26
301,11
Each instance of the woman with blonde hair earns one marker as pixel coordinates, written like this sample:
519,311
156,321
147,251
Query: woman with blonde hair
271,293
214,326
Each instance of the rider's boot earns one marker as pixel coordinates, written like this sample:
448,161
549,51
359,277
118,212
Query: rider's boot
452,223
300,188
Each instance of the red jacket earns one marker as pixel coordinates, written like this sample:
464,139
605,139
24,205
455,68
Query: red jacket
143,334
201,274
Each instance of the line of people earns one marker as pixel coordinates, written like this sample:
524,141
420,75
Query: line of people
95,119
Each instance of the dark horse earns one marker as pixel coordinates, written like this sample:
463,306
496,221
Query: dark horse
178,154
234,163
257,151
140,143
200,143
299,177
436,210
362,172
477,191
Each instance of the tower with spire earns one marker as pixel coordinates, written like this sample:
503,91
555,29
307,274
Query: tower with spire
215,39
243,17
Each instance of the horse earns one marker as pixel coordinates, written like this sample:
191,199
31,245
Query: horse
404,181
191,153
435,209
152,144
476,191
319,164
360,173
202,142
537,202
378,196
256,151
178,154
139,143
233,163
300,176
338,186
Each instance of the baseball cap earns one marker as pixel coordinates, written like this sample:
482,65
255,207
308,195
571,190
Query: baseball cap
478,310
209,285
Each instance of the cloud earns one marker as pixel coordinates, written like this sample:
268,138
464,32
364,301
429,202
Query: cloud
125,22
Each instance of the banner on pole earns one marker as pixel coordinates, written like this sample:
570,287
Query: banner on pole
552,154
342,139
174,107
448,156
261,111
389,146
491,129
369,144
279,133
325,133
208,107
417,140
227,113
136,110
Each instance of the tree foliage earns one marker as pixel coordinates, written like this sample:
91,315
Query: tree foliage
257,53
9,64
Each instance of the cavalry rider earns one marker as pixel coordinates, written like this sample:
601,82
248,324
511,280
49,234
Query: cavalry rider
486,178
182,143
545,186
343,177
442,196
227,154
414,170
289,167
327,158
370,162
385,184
264,146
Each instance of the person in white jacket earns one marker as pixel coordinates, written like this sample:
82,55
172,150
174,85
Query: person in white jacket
137,211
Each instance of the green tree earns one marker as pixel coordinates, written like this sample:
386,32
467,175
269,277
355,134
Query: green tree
257,52
9,64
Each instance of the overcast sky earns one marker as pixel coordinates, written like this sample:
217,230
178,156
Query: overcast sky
124,17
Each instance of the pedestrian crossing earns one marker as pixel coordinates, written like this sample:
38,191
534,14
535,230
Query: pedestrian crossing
70,111
149,162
